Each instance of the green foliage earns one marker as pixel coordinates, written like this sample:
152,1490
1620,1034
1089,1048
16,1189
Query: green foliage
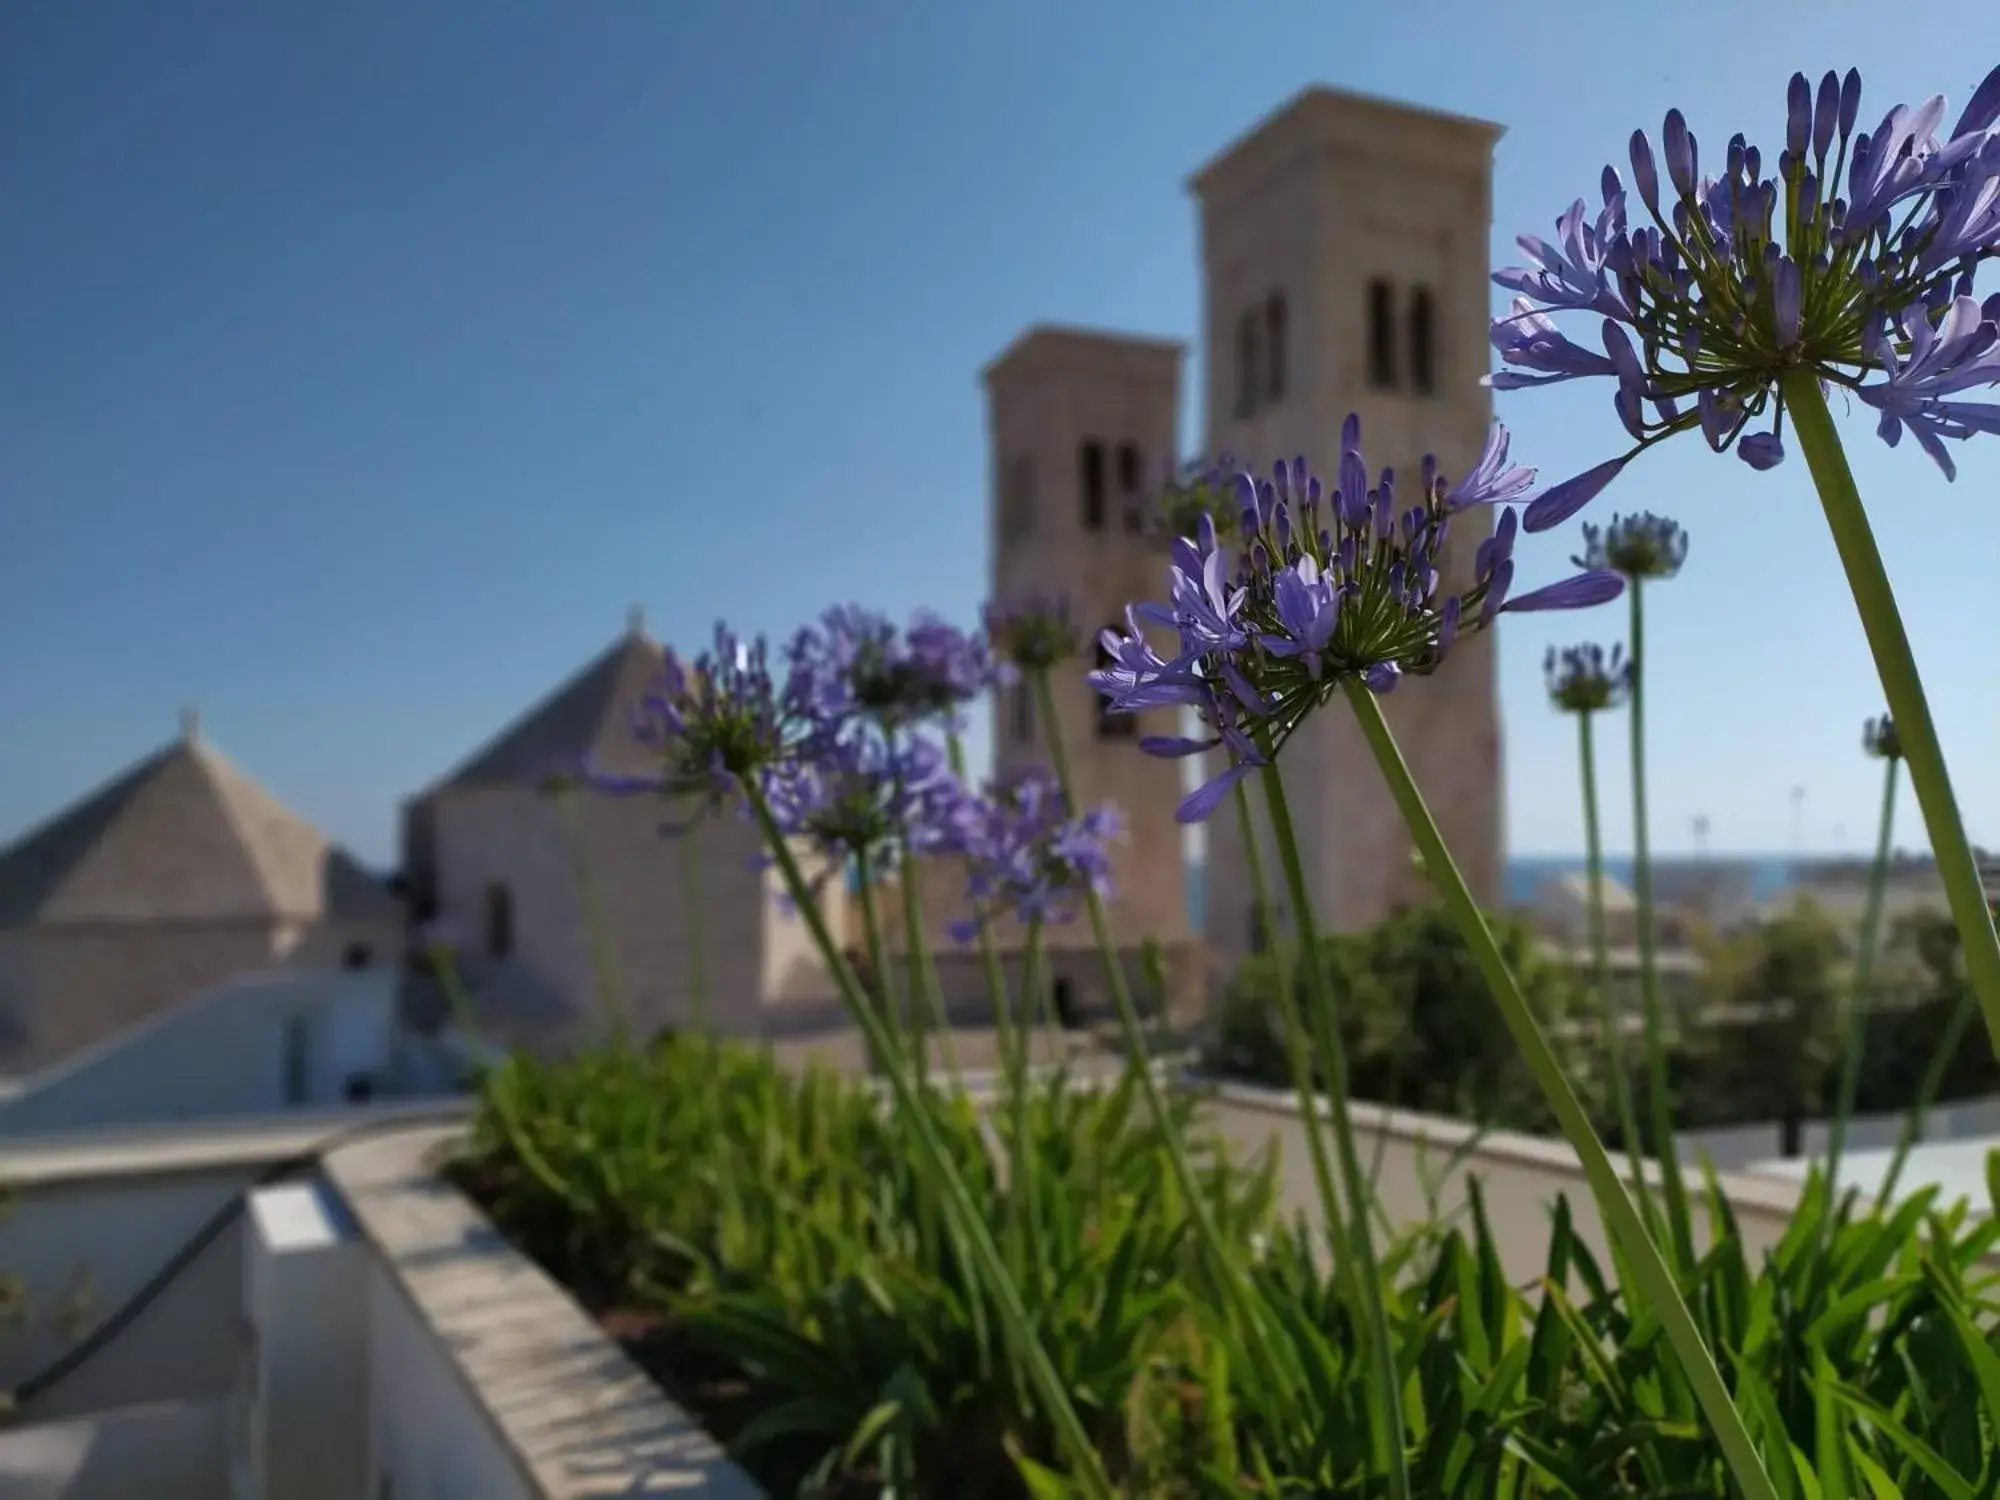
822,1323
1421,1028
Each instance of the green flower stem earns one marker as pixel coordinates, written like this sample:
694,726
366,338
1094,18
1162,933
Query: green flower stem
1363,1277
926,997
1222,1256
1854,1024
1600,952
691,906
1672,1184
871,937
1296,1043
1656,1281
1927,1092
914,1105
1909,710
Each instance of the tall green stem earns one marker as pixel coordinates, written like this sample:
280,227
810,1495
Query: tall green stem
1672,1183
1854,1023
1909,709
871,937
914,1104
1228,1270
1600,953
1364,1277
1297,1045
1662,1296
691,906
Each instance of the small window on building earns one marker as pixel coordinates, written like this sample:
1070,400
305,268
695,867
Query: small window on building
1381,334
1062,999
499,921
1018,508
1090,466
1131,472
357,956
1246,365
1274,347
295,1061
1423,341
1110,725
1021,706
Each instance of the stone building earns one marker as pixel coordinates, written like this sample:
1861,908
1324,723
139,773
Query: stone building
567,907
1344,269
178,875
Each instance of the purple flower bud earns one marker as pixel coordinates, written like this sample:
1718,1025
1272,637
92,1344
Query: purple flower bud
1787,301
1850,101
1798,115
1556,505
1644,176
1582,591
1826,114
1982,110
1762,451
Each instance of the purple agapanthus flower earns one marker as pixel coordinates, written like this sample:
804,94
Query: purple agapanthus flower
1027,855
713,723
1033,632
1729,282
1880,740
1642,547
1330,584
855,663
864,797
1586,679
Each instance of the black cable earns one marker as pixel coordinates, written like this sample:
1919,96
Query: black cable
93,1343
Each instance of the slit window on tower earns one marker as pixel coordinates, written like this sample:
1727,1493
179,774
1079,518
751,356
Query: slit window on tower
1275,349
1423,341
1112,726
1246,365
1021,707
1381,335
1131,502
1090,466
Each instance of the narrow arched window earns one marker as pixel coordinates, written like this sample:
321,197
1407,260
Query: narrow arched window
1381,334
499,921
1090,465
1130,501
1112,726
1423,341
1246,365
1275,373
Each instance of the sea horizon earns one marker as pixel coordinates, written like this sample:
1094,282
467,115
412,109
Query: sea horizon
1766,874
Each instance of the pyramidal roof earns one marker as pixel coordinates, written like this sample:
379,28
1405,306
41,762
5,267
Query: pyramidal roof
184,836
585,721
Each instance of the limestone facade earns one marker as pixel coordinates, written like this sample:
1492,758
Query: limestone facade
1345,269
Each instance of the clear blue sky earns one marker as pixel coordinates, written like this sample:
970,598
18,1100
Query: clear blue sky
361,364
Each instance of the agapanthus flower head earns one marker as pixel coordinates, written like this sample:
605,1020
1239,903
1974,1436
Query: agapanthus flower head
1643,547
1202,492
1586,679
1853,258
1027,855
1033,632
864,796
713,723
1879,739
855,663
1331,583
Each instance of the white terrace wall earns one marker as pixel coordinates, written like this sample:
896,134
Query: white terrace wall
1521,1176
96,1216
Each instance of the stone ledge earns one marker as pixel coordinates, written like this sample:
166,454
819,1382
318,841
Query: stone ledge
578,1419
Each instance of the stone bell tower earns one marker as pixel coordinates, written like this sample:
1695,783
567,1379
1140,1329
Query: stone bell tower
1344,268
1082,431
